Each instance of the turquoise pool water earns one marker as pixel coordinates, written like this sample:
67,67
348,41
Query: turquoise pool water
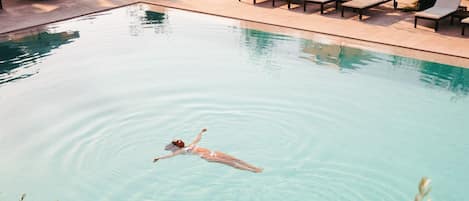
86,105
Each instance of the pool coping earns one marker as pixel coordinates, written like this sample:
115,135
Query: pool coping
358,40
68,18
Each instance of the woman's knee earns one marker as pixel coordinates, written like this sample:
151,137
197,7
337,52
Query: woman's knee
207,157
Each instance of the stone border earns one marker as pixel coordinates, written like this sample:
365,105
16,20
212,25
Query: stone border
312,31
69,18
252,21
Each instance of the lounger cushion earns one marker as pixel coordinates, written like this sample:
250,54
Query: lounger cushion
435,13
360,4
465,20
441,9
451,4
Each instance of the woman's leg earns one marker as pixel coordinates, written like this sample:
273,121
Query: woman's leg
231,163
231,158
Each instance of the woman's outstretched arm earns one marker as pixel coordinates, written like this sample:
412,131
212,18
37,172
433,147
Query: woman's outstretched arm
169,155
198,137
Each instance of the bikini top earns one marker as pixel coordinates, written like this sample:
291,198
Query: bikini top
189,149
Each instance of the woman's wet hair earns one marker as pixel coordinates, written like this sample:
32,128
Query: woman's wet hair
178,143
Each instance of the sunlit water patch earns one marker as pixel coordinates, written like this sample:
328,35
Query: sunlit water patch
87,103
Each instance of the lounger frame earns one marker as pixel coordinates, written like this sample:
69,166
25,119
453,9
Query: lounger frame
305,2
360,10
288,1
437,21
273,3
463,24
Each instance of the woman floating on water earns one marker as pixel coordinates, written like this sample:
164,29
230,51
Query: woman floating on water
178,147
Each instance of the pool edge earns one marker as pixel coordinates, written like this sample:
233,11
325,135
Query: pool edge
358,40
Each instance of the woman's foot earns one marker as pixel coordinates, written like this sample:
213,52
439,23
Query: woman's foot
257,170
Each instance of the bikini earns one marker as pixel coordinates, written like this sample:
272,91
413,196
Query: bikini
189,149
213,154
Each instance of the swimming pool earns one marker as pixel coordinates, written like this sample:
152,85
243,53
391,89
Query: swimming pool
87,103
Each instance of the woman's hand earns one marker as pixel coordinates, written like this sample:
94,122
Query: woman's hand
204,130
156,159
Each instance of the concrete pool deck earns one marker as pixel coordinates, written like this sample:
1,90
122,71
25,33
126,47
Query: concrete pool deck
381,25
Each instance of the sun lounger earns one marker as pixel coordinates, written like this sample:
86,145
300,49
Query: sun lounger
321,2
273,3
441,9
362,5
